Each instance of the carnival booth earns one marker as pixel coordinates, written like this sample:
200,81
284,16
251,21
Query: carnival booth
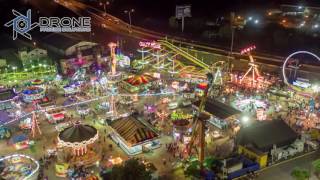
76,144
133,136
20,167
70,100
62,169
5,117
72,89
25,123
45,102
251,104
6,97
55,115
104,106
5,133
33,93
181,125
20,141
83,109
200,88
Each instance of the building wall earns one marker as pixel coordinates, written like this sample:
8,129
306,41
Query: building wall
261,159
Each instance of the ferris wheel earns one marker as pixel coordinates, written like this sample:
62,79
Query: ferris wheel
285,66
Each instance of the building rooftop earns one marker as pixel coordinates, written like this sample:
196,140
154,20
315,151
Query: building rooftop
264,134
218,109
132,130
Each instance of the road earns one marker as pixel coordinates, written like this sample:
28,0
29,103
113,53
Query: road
109,22
283,171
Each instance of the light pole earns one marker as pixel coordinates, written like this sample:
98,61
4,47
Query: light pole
129,14
104,7
232,39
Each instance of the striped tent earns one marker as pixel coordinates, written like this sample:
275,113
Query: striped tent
132,130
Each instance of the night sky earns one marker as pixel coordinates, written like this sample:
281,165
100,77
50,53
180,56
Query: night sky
157,8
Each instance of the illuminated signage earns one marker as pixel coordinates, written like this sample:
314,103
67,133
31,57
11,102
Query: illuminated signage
147,44
248,49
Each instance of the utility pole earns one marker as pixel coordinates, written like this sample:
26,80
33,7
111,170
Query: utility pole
129,14
182,12
182,23
104,7
232,39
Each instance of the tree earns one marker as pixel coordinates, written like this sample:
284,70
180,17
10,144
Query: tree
132,169
192,169
211,163
300,174
316,166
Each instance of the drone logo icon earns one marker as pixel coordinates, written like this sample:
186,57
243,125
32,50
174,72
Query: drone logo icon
21,24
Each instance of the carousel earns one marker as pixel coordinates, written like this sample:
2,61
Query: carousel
76,145
37,82
33,93
136,83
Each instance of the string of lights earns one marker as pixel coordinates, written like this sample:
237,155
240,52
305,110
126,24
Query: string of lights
89,101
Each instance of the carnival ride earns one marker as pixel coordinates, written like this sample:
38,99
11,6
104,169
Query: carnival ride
166,56
285,79
253,67
198,125
13,77
19,166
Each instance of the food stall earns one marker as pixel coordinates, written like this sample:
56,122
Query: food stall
20,141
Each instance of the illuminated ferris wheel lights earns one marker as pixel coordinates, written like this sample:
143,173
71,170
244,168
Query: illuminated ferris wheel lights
285,79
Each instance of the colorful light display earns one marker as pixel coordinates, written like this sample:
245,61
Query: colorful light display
248,49
148,44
